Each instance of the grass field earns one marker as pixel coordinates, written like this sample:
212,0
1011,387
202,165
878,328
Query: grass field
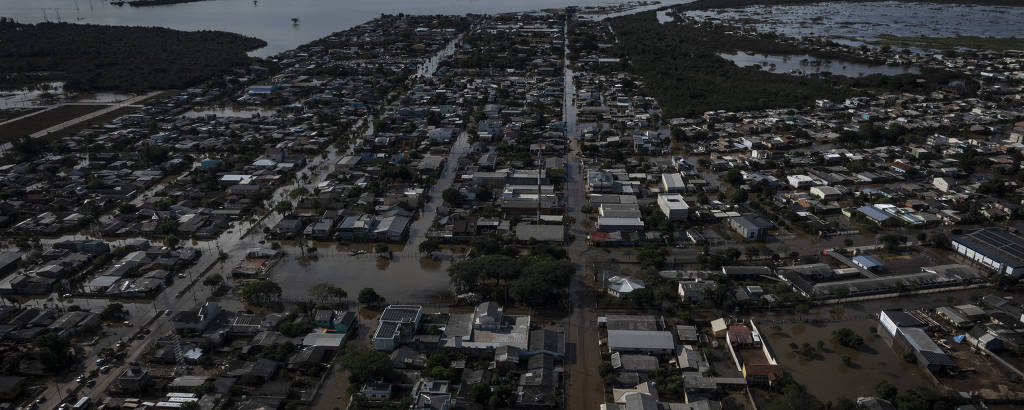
44,120
943,43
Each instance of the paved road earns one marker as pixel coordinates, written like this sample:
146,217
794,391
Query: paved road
94,114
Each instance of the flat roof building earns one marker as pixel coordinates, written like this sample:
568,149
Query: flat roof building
994,248
673,206
642,341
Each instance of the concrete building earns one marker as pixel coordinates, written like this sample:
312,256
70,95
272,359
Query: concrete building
672,183
673,206
826,193
620,224
751,227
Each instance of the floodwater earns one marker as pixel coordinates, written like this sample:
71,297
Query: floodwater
43,93
405,277
856,20
270,20
870,364
802,64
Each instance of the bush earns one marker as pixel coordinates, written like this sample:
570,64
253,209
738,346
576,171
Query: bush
848,338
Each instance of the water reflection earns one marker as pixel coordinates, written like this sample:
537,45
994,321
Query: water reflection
404,276
270,20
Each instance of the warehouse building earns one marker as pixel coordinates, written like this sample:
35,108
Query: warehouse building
929,355
995,248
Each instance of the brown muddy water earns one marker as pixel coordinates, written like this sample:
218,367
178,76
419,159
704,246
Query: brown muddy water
825,374
405,277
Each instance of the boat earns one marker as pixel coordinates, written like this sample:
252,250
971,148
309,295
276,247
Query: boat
358,252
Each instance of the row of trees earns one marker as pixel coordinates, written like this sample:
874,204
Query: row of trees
527,280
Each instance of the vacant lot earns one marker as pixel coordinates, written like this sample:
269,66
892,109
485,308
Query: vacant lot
44,120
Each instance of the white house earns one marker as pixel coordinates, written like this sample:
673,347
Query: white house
623,285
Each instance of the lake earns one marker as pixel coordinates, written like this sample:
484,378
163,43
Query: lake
864,21
270,20
806,64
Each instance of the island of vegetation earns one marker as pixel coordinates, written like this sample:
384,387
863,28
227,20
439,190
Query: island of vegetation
688,76
112,58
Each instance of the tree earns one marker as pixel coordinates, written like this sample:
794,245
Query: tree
171,241
939,240
214,281
452,197
752,252
369,297
886,391
484,194
787,394
430,246
54,352
890,242
651,256
114,312
323,293
847,337
364,365
480,393
733,177
291,328
261,292
283,207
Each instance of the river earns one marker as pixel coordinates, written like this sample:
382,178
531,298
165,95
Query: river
270,20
